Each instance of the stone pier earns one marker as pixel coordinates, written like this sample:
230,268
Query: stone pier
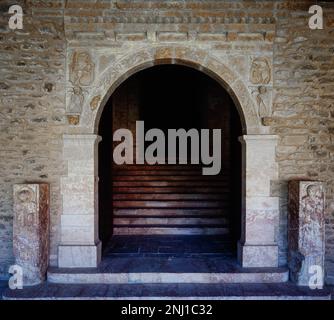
306,232
31,231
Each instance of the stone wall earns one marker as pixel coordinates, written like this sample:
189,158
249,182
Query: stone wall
32,109
42,94
303,109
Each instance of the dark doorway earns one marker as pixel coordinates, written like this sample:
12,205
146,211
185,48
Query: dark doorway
143,207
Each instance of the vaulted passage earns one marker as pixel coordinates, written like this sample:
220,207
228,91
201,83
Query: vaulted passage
169,209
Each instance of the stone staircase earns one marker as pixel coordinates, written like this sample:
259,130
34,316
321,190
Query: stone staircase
169,200
185,291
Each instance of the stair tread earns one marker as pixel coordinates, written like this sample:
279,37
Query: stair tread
286,290
168,226
170,217
168,190
168,178
170,183
169,199
168,211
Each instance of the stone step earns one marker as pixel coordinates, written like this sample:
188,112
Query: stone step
167,196
169,230
168,187
202,221
168,291
161,172
148,167
204,247
175,189
168,270
185,178
169,204
159,183
169,212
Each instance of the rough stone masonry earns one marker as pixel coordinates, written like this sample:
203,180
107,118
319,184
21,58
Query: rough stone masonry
51,68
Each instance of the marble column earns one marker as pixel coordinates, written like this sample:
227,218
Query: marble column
31,231
260,211
80,245
306,232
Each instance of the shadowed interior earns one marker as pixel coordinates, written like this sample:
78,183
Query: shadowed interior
141,205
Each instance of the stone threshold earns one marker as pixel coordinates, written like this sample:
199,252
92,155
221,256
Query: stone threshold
279,291
88,276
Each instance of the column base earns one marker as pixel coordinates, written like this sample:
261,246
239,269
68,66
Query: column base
258,256
79,256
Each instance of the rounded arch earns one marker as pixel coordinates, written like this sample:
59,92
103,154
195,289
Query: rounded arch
122,69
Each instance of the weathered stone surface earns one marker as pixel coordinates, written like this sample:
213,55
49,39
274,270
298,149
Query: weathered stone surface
80,245
258,244
260,72
81,69
73,119
221,291
31,231
95,102
306,231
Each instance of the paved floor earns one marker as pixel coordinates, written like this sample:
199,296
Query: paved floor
169,246
168,291
168,254
167,265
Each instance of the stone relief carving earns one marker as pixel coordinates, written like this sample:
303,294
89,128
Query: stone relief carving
73,119
26,199
312,205
306,229
260,72
31,231
25,195
95,102
154,18
262,96
82,69
76,100
81,74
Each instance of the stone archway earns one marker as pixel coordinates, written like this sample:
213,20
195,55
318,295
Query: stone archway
80,246
116,73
